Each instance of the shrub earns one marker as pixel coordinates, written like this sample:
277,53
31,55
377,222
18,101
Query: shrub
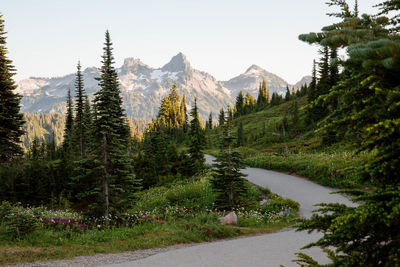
279,204
5,209
20,222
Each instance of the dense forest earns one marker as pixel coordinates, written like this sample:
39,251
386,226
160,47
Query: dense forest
105,169
46,126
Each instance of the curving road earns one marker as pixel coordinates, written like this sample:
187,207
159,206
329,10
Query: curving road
266,250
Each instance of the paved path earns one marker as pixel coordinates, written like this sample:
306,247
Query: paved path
266,250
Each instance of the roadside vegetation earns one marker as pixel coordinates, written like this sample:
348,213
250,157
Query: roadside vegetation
177,213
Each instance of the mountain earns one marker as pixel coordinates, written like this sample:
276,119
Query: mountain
143,87
305,80
251,79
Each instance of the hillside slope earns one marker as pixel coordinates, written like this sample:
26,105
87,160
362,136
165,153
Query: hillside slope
297,149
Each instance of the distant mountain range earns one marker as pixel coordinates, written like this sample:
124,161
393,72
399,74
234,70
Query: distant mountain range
143,87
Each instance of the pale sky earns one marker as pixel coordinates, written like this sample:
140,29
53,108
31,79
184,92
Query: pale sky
46,38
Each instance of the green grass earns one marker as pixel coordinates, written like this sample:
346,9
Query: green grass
178,213
265,147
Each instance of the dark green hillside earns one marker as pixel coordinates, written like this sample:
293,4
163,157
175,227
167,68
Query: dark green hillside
278,139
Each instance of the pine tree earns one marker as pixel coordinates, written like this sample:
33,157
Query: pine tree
79,126
263,96
11,119
287,95
184,114
317,109
210,121
197,142
264,93
239,105
324,72
227,179
230,113
113,164
311,92
249,103
356,8
68,123
221,118
259,97
174,99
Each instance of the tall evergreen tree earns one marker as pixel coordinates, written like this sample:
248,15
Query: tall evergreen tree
197,142
287,95
318,109
113,165
263,96
311,92
230,113
175,116
323,85
11,119
221,117
227,180
184,114
79,126
68,123
210,121
239,104
249,103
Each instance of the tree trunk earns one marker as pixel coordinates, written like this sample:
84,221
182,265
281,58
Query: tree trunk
105,178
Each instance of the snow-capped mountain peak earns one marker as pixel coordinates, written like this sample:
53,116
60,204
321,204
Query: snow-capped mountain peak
143,87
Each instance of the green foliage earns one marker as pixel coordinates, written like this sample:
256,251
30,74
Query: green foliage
278,204
362,236
338,169
240,136
263,96
82,123
221,118
11,119
366,102
17,222
197,143
69,122
228,182
194,195
158,161
107,170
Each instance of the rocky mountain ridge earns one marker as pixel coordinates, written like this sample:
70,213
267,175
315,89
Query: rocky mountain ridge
143,87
